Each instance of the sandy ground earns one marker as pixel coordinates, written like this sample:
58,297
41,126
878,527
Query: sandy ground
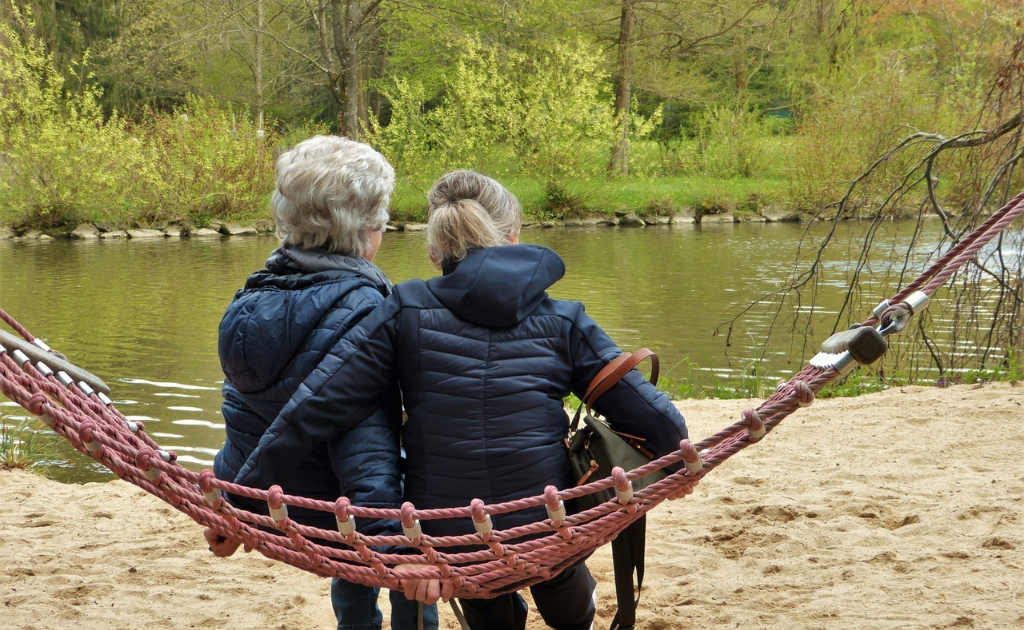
903,509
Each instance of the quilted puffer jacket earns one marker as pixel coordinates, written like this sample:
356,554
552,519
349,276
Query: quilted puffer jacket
484,358
276,331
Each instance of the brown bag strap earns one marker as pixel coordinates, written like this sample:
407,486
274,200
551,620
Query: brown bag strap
611,374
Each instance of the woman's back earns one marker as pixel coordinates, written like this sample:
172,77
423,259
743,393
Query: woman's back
484,363
272,335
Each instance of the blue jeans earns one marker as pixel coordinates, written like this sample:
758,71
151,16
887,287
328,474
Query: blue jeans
355,606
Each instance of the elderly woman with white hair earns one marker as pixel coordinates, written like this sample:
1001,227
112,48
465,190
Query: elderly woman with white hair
330,206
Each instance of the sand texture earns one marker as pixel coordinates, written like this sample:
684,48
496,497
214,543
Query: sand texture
903,509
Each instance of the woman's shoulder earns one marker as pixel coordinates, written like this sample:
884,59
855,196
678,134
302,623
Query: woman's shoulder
414,293
567,309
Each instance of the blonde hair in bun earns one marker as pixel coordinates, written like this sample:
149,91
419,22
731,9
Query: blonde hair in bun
469,211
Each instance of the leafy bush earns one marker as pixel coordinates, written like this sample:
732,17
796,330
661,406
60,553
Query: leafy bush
855,118
547,114
60,161
733,142
212,164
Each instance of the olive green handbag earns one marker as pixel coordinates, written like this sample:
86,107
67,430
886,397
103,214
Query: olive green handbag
594,448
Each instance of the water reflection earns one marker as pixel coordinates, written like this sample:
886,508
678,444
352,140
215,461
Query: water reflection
144,315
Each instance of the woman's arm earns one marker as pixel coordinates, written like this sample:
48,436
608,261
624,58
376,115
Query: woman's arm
341,392
632,405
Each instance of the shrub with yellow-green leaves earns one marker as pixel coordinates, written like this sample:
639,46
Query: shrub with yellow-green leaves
546,114
60,161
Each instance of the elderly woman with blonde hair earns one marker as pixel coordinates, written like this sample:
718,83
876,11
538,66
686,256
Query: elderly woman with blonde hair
330,206
484,359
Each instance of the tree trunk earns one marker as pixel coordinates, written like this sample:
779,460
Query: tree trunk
740,66
626,44
257,69
347,16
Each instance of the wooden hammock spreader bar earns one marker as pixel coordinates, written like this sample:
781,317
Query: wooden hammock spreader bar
38,351
489,561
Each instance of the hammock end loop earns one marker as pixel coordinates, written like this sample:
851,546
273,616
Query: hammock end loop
623,488
691,457
755,426
481,519
278,510
554,505
346,522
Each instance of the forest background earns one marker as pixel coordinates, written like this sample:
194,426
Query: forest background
140,112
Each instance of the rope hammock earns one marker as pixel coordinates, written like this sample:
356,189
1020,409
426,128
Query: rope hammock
500,561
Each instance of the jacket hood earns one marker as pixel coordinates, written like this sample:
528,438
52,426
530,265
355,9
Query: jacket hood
279,312
498,287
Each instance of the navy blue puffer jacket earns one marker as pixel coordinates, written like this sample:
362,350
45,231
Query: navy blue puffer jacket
276,331
484,358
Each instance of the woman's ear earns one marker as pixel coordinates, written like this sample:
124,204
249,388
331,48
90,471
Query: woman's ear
513,238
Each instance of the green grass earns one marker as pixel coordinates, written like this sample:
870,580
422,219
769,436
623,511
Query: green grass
606,196
21,447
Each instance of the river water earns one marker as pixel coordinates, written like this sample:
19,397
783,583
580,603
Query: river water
143,315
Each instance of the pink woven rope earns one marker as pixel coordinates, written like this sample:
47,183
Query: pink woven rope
499,561
13,323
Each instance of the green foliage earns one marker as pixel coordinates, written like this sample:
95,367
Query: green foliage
733,142
61,161
548,111
22,447
212,164
858,115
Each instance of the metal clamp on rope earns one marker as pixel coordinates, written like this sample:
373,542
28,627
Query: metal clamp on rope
132,426
484,526
212,496
624,496
414,532
275,496
346,527
556,516
39,343
878,310
64,379
695,466
43,368
86,389
278,513
20,358
104,399
898,319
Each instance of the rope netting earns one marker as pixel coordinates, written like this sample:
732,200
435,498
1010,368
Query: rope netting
483,564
